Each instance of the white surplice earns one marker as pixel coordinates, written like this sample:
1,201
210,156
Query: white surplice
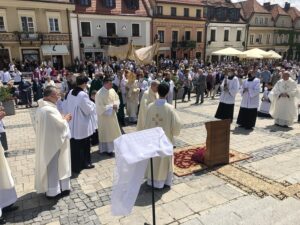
82,110
52,148
250,98
228,95
8,193
265,103
284,109
133,152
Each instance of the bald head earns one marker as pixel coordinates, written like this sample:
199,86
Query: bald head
154,85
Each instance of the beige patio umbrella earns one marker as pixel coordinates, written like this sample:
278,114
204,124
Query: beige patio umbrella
228,52
274,55
254,51
251,55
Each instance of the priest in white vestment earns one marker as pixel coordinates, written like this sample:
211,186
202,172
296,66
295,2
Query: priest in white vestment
284,101
250,101
171,84
81,126
53,157
132,96
229,88
162,114
149,96
8,195
107,103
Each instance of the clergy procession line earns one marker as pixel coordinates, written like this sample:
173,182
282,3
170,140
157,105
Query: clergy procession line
86,113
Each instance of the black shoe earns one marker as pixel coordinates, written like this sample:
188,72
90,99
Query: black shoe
89,166
56,197
2,220
10,208
65,193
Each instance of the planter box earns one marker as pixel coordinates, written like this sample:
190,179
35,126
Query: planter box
9,107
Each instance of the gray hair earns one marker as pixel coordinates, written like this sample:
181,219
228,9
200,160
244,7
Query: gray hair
49,90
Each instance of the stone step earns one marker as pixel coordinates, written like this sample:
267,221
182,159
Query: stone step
292,218
272,213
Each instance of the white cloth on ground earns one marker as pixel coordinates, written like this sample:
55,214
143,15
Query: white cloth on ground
133,152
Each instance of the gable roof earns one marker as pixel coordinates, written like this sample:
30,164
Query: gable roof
294,13
252,6
276,11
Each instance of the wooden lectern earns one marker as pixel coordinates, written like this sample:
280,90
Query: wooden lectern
217,142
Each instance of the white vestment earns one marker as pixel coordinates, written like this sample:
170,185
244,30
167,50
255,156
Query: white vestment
8,193
82,110
133,152
53,158
148,97
284,109
170,95
265,102
108,125
228,95
132,100
250,98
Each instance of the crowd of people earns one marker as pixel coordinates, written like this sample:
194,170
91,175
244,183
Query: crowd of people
88,109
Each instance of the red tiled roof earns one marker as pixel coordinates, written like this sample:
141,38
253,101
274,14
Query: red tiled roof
252,6
294,13
218,3
276,11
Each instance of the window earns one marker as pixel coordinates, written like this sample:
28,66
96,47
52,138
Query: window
198,55
261,21
53,24
85,29
221,13
266,21
259,39
135,30
186,12
85,2
213,35
27,24
174,36
132,4
109,3
173,11
226,35
287,38
161,36
187,35
268,39
256,20
198,13
2,25
159,10
110,29
199,36
251,38
238,35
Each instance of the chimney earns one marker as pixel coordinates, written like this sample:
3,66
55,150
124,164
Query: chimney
267,5
287,6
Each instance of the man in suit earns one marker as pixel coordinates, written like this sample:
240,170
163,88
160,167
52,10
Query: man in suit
200,85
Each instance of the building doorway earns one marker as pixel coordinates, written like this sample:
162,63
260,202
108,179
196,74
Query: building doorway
4,58
31,59
58,62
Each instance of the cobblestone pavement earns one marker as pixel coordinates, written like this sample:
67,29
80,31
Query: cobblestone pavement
260,190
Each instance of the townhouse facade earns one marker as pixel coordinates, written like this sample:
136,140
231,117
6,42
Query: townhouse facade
180,28
35,31
224,27
98,24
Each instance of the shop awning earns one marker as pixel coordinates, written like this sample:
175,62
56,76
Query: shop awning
55,50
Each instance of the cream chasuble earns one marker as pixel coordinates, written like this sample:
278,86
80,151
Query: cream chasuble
148,97
132,99
162,114
108,125
284,109
52,135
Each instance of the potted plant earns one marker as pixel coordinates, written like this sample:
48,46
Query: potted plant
7,101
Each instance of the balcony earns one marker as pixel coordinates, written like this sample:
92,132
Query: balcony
184,44
113,41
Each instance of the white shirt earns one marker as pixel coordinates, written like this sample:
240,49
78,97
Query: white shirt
17,77
6,77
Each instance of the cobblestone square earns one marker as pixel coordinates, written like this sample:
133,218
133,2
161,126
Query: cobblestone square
264,189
